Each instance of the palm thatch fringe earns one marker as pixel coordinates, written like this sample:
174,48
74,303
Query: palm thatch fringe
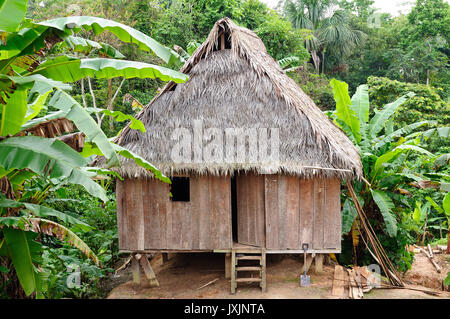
241,87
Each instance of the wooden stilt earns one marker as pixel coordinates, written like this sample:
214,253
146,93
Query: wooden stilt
233,272
135,270
318,263
263,271
165,258
148,271
227,265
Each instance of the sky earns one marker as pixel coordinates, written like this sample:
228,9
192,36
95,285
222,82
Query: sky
394,7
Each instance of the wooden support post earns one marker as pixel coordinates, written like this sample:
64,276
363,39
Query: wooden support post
135,270
318,263
227,265
148,271
165,258
263,271
233,272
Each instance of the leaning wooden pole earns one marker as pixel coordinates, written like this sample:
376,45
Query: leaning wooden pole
378,251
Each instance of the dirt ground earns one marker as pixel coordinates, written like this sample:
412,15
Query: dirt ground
184,274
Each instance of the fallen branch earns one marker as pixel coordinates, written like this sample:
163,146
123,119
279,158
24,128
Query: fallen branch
207,284
430,258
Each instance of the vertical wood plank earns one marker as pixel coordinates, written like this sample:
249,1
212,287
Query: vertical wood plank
213,183
242,208
292,212
195,211
121,213
332,235
223,203
132,215
282,212
306,211
260,211
319,208
186,220
152,227
140,214
271,209
204,204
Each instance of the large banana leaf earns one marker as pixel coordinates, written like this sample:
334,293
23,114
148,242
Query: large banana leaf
36,83
385,204
13,113
48,157
349,214
26,41
344,112
19,251
12,13
85,123
400,132
360,103
71,69
34,108
48,227
120,117
141,162
85,46
446,205
43,211
389,156
378,121
123,32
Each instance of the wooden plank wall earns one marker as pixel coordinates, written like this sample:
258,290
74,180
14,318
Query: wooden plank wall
148,220
250,207
302,211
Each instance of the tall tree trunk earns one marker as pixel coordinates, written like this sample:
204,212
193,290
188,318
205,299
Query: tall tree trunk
323,61
111,121
83,94
316,61
94,103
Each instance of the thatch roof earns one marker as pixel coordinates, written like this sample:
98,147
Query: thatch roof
241,86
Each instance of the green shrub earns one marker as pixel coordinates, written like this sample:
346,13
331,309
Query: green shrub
316,86
427,104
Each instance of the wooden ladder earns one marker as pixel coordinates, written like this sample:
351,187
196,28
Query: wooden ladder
241,262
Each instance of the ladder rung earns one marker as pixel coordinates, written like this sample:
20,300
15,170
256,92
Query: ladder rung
253,268
248,257
248,279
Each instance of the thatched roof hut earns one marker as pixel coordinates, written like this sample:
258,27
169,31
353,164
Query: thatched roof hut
218,201
241,87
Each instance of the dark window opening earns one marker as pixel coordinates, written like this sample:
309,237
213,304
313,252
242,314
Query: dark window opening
234,223
180,189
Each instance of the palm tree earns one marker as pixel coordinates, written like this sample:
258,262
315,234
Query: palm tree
331,30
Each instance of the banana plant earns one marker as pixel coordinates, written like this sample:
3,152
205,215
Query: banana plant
445,211
31,82
383,150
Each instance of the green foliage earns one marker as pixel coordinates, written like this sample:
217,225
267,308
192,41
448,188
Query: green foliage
390,160
316,86
427,104
428,18
331,31
33,167
281,39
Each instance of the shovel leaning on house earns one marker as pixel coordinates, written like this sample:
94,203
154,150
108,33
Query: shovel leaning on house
305,280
